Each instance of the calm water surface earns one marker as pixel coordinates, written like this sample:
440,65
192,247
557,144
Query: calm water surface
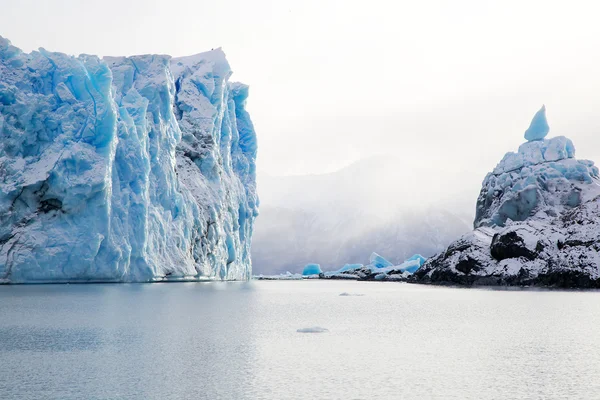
239,341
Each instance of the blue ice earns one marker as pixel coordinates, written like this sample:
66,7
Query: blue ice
312,269
538,129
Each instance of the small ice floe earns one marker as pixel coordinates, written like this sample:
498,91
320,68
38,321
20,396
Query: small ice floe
314,329
351,294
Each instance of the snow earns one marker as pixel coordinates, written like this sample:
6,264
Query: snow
538,129
312,269
124,168
314,329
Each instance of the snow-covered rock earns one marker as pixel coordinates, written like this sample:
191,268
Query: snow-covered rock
124,168
537,223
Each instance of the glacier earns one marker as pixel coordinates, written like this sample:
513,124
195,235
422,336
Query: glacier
124,169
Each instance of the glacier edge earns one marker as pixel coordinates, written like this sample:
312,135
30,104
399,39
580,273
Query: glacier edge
124,169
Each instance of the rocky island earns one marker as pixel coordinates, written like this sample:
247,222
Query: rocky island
537,221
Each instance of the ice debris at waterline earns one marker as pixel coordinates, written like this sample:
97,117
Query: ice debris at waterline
538,129
312,269
288,276
124,168
314,329
537,223
378,269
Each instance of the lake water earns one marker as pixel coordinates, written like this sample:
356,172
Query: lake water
240,341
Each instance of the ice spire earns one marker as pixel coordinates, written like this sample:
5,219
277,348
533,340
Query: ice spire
538,129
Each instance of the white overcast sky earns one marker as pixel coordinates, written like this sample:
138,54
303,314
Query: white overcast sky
448,84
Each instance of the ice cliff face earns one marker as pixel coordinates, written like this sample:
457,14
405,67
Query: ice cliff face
124,168
537,221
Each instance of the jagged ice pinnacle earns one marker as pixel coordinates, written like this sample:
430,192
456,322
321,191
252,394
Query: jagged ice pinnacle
538,129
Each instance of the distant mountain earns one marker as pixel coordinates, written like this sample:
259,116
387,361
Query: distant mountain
376,204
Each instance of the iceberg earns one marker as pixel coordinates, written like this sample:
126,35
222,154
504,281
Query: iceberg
377,261
412,264
417,257
124,169
378,269
538,129
313,329
312,269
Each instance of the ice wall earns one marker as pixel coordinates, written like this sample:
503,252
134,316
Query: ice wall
124,168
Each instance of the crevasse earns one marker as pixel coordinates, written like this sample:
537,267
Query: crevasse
124,168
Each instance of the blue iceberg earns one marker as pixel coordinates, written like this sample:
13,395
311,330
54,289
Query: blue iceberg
377,261
413,263
124,168
538,129
312,269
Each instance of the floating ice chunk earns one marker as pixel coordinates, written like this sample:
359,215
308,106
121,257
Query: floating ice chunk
417,257
312,269
411,266
351,294
314,329
538,129
379,262
350,267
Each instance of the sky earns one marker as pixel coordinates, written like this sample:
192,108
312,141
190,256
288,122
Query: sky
448,85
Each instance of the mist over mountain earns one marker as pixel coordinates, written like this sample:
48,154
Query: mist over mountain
376,204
